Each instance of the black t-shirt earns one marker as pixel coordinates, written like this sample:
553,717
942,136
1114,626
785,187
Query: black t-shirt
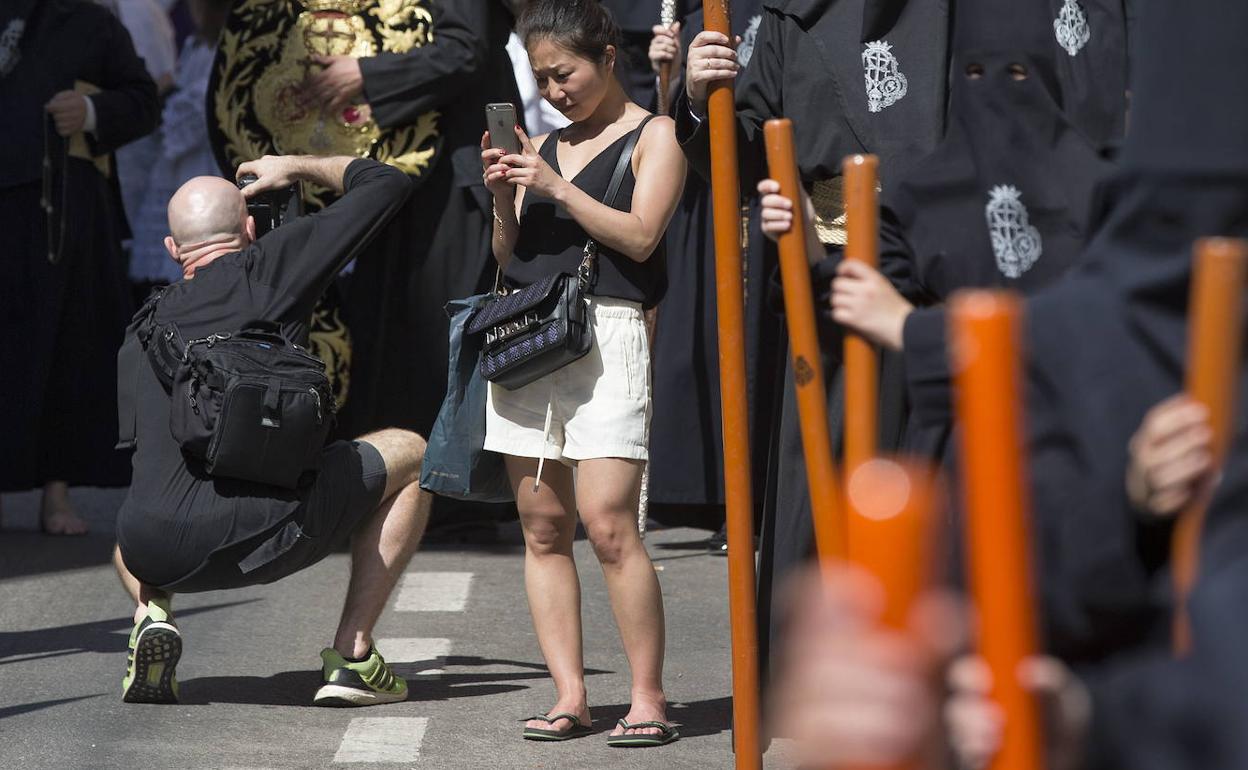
176,514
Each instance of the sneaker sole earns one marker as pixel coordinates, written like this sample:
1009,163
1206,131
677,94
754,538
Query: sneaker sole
156,654
336,695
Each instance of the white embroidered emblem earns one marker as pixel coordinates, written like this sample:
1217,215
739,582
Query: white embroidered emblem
10,54
1015,242
885,84
1071,27
748,38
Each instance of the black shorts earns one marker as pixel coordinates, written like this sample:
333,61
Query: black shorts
349,486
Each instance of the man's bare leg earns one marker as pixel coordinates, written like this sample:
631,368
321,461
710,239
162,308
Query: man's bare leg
380,551
140,592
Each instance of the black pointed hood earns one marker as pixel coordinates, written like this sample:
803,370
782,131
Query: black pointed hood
1005,197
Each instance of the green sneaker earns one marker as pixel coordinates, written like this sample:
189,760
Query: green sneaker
367,683
155,646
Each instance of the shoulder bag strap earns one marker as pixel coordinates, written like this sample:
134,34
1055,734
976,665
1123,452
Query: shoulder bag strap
589,259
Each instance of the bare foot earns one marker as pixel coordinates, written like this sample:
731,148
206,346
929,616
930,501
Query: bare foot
646,708
56,515
563,706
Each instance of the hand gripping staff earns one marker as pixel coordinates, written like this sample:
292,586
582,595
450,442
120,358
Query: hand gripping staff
862,364
1214,353
730,296
799,313
985,360
891,519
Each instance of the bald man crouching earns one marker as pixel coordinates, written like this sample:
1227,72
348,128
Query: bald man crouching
182,529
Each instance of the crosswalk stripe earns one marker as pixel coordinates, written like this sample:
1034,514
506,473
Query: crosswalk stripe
413,650
434,592
382,739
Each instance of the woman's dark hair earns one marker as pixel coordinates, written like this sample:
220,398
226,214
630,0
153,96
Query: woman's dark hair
584,27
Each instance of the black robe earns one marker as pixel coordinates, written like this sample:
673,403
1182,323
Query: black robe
1107,343
438,247
636,19
62,323
808,65
686,441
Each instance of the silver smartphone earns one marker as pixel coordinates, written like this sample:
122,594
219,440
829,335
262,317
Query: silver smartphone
500,121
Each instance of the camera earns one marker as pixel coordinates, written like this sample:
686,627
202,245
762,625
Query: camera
274,208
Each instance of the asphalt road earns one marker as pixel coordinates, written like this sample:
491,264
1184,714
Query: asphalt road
250,664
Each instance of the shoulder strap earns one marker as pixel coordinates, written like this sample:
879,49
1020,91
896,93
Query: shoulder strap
588,271
129,360
626,158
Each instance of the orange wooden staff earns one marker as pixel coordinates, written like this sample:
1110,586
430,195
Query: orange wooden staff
1214,352
984,342
862,367
799,312
891,518
730,296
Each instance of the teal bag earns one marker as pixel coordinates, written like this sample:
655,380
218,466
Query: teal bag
456,464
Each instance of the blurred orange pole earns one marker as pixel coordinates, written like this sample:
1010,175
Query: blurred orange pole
891,530
1214,347
799,313
985,358
891,517
862,366
730,296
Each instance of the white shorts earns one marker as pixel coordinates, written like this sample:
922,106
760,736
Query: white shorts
599,404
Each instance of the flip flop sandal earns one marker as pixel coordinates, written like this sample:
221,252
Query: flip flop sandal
577,730
667,735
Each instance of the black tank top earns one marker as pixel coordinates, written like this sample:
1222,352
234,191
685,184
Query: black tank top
551,241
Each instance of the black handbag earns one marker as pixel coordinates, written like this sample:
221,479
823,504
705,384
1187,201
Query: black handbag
543,327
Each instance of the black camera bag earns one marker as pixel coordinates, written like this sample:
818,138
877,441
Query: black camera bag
250,404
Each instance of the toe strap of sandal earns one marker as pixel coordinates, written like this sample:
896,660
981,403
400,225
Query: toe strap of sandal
550,719
666,728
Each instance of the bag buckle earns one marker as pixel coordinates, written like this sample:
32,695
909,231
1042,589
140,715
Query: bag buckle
508,329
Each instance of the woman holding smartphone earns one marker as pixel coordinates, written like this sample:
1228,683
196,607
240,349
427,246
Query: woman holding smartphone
591,415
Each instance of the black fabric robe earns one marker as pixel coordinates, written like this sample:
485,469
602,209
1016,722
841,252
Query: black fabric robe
62,323
686,440
1107,343
438,247
808,65
636,19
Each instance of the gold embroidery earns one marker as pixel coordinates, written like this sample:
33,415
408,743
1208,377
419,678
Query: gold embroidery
330,340
264,60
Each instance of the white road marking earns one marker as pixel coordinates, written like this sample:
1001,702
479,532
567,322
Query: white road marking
407,651
382,739
434,592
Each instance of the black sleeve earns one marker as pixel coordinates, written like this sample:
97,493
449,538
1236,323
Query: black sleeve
128,106
759,97
400,87
928,377
300,258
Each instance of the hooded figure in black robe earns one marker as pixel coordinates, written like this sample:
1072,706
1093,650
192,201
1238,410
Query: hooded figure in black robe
812,62
1108,342
1004,200
64,300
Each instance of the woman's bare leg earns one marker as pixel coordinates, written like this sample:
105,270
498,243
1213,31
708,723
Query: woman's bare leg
548,518
607,495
